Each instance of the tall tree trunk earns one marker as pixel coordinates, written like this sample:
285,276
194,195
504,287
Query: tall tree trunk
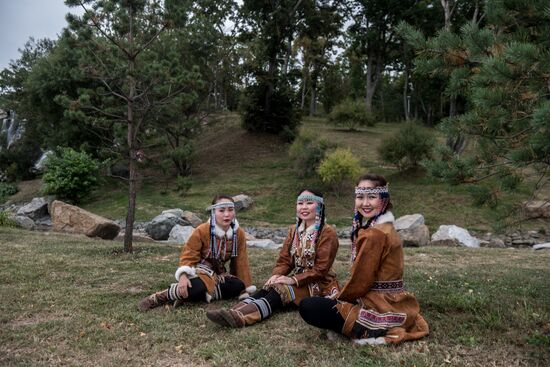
373,76
313,101
405,93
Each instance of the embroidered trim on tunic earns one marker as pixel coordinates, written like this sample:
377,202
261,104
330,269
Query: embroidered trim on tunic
374,320
388,286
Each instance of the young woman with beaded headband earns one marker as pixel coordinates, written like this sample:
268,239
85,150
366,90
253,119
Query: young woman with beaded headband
303,269
373,307
202,274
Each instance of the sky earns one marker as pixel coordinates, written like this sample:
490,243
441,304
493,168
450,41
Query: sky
21,19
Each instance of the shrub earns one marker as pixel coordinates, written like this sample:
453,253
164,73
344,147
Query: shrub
6,190
282,119
351,114
339,167
307,152
408,146
70,174
183,184
5,220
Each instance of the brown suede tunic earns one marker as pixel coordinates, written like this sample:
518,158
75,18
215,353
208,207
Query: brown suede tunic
374,296
311,268
196,254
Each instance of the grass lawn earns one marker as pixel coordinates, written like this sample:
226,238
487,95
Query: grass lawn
230,160
69,300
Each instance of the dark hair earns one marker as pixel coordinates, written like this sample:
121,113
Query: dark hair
222,196
320,194
378,181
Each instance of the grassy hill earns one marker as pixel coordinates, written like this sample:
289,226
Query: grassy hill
69,300
230,160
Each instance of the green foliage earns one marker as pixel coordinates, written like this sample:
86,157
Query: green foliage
70,174
5,220
7,190
307,152
352,114
183,184
450,167
408,146
339,167
273,115
483,195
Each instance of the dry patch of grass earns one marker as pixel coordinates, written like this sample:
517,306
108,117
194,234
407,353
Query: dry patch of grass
68,300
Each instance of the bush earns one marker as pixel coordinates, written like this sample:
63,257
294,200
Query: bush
5,220
282,118
183,184
6,190
307,152
339,167
408,146
70,174
351,114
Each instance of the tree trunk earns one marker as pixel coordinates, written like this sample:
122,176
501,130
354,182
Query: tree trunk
313,102
373,76
405,93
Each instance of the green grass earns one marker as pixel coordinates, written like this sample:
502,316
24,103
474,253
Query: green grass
70,300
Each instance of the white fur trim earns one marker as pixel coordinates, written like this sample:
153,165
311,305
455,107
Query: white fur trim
208,298
387,217
370,341
220,233
251,289
190,271
243,296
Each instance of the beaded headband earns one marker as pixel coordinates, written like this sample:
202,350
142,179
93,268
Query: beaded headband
310,197
374,190
225,204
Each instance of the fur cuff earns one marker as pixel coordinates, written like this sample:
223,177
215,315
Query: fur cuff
247,292
190,271
208,297
370,341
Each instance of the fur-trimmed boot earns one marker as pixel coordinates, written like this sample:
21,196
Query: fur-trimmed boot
159,298
245,313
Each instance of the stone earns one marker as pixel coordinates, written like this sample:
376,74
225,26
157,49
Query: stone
542,246
265,244
415,236
23,221
137,236
191,218
72,219
249,237
180,234
537,209
37,208
242,201
409,221
454,233
161,225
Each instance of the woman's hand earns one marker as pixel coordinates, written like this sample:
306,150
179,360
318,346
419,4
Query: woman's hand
273,279
285,280
183,284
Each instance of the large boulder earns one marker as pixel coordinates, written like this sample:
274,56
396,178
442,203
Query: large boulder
542,246
70,218
448,235
265,244
415,236
161,225
180,234
409,221
191,218
23,221
37,208
242,201
537,209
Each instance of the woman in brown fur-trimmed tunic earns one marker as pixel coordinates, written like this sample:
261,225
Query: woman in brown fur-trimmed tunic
303,269
202,273
373,307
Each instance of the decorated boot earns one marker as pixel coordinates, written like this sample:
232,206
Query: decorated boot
245,313
159,298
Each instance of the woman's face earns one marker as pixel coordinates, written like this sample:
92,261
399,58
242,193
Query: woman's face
306,209
368,205
224,216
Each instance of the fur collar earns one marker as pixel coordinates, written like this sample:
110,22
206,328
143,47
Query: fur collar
220,233
387,217
309,229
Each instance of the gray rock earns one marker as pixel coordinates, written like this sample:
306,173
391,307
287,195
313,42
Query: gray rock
72,219
242,201
452,232
415,236
37,208
409,221
266,244
161,225
180,234
542,246
23,221
191,218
